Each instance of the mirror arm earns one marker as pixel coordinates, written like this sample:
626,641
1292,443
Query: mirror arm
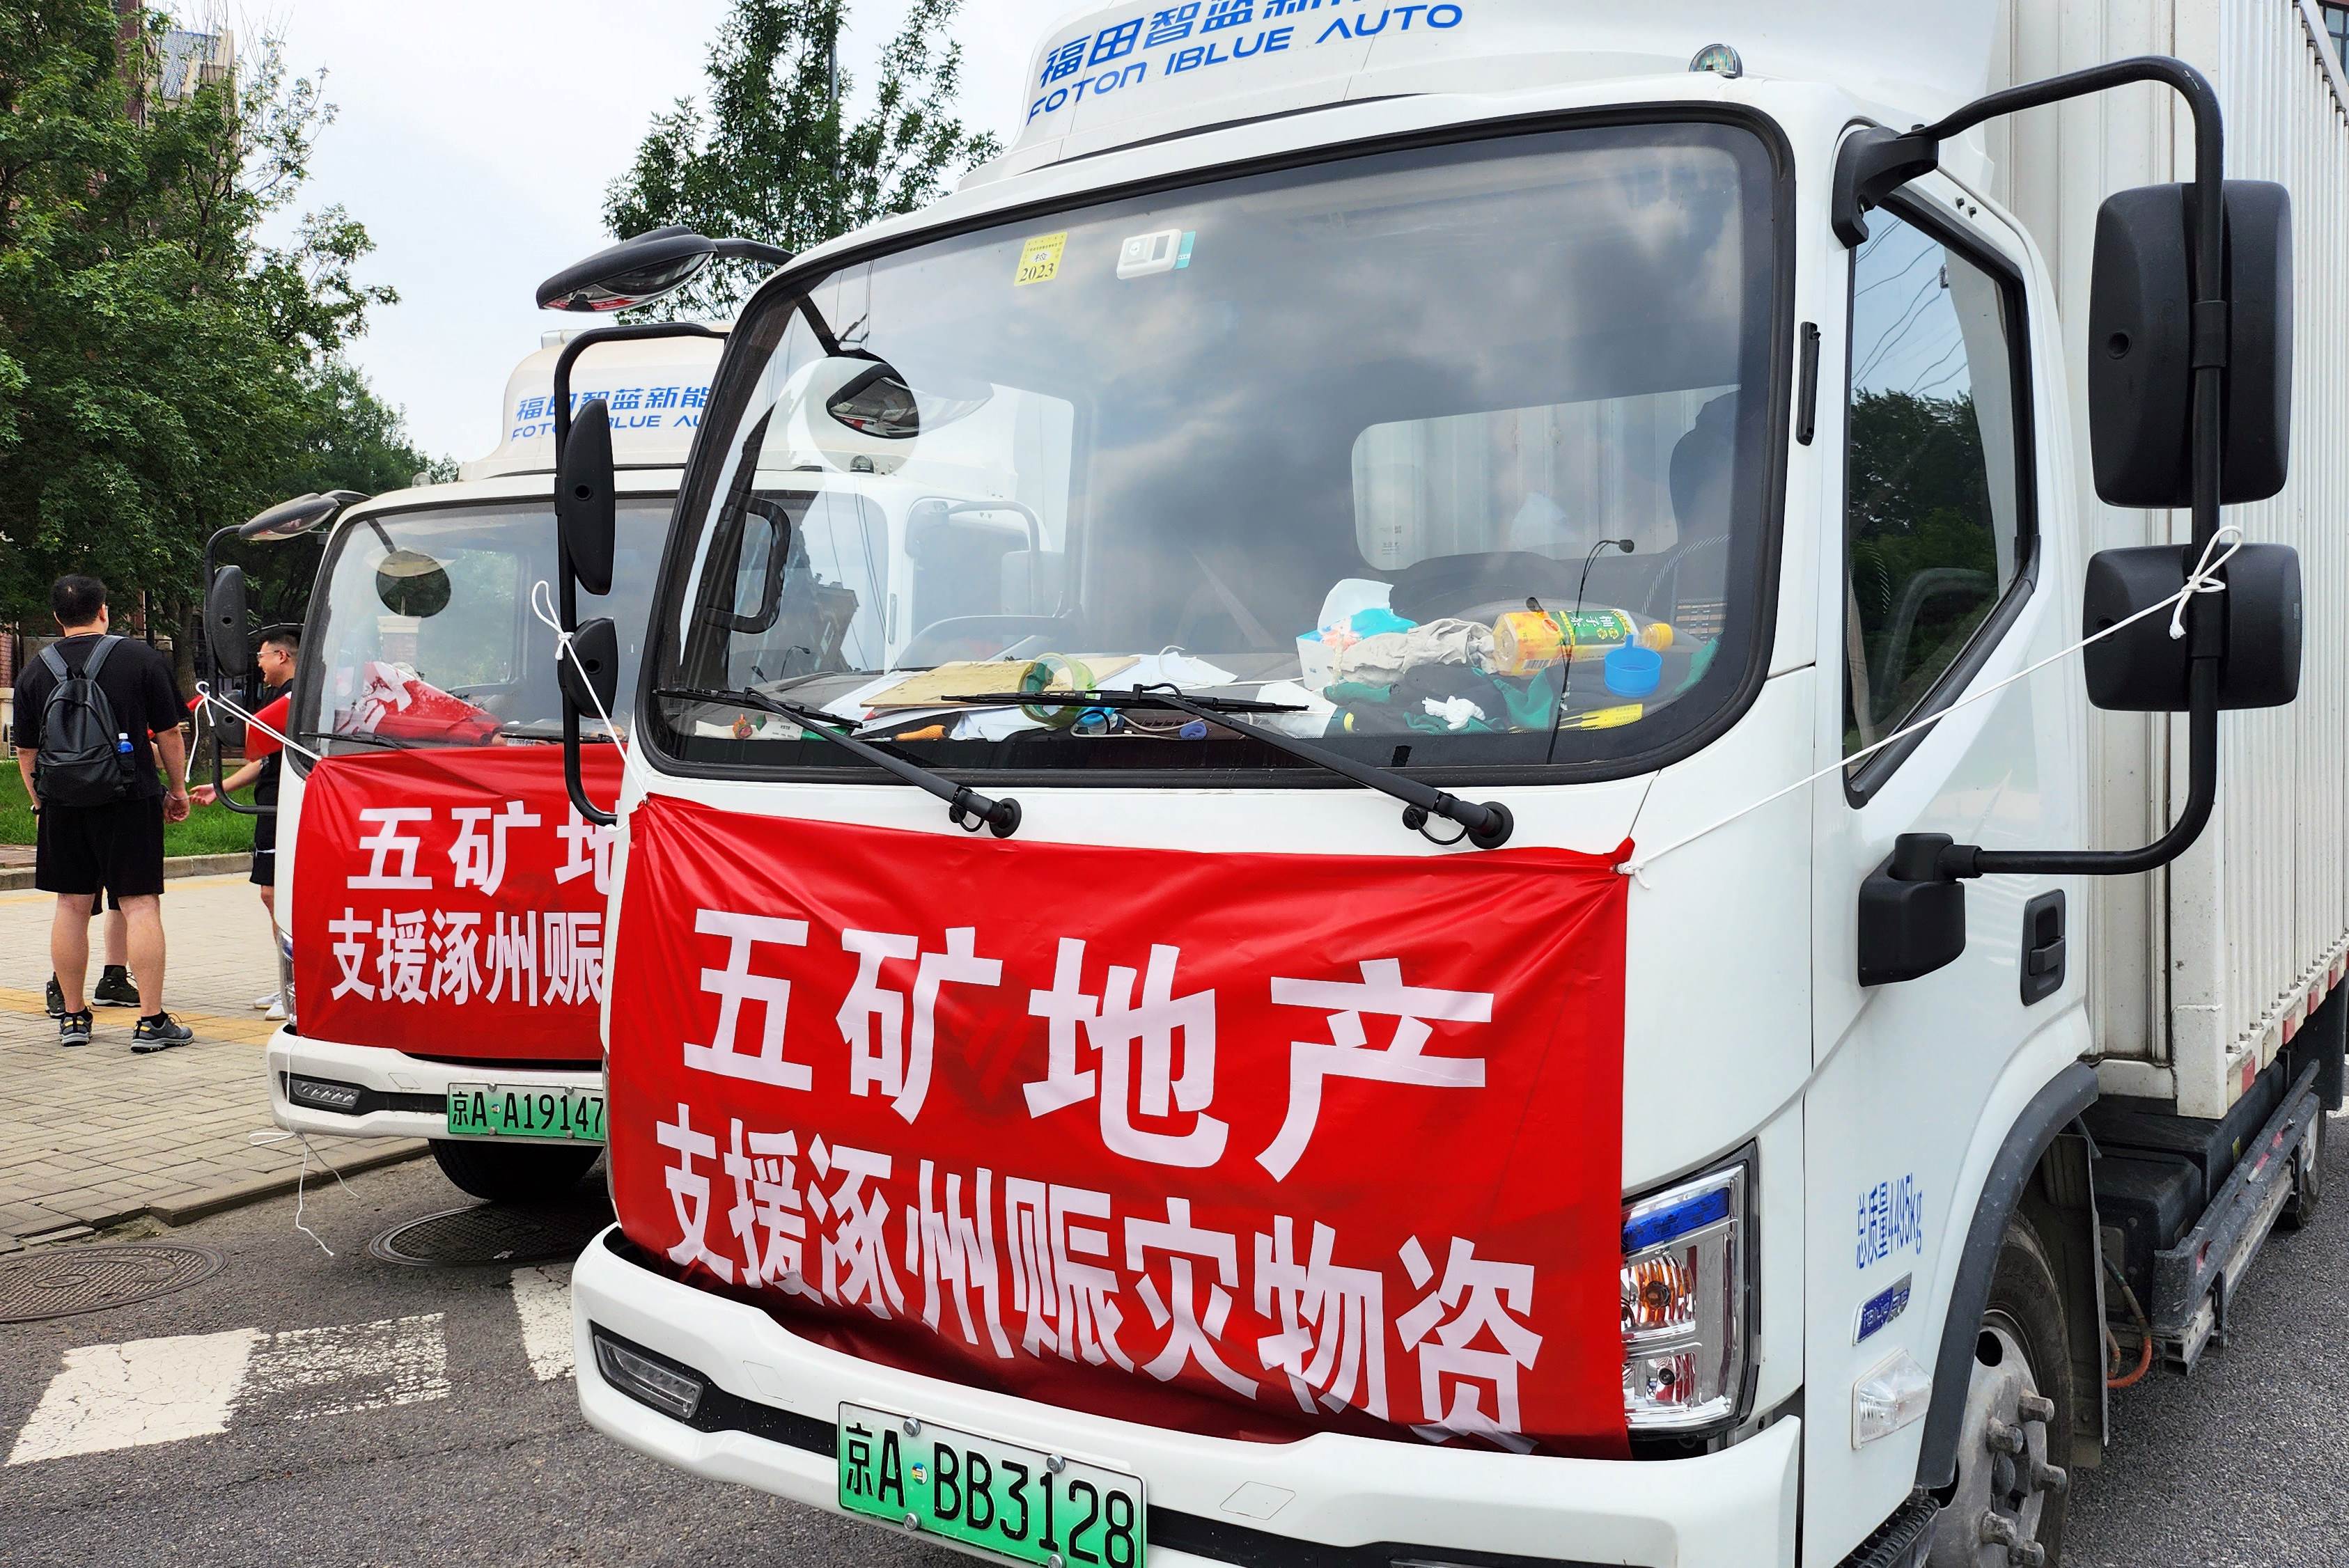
220,783
2205,629
750,251
205,672
566,587
630,332
587,809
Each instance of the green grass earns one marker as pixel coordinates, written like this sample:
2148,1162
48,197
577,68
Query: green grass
208,829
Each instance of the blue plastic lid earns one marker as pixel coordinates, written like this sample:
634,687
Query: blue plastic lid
1634,671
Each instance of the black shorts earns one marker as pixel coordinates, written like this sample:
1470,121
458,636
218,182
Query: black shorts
264,850
116,849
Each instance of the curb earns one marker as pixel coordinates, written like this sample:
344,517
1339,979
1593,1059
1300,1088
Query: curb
16,878
185,1207
237,1194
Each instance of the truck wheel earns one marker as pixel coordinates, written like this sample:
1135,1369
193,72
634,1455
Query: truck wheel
2307,1179
514,1172
2008,1508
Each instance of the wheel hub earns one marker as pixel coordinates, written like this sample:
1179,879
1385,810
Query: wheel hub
2004,1477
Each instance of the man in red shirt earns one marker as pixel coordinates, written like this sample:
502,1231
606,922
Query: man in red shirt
279,651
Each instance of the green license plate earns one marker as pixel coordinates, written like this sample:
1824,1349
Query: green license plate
1016,1503
521,1111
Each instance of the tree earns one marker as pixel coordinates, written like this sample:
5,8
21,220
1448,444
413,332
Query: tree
163,372
774,158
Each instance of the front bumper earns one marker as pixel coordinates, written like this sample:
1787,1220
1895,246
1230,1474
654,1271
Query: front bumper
403,1095
1212,1500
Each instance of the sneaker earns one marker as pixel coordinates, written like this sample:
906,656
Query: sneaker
159,1033
73,1029
57,998
261,1004
115,989
276,1014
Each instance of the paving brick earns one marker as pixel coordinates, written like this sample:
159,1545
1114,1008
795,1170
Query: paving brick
103,1132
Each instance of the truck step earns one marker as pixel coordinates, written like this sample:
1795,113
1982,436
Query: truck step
2194,1279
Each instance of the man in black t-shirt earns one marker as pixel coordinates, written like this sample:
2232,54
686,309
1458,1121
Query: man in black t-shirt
118,846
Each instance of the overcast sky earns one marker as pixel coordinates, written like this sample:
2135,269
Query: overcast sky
475,142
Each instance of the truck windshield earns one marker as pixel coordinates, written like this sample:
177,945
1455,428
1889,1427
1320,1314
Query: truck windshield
1410,444
421,633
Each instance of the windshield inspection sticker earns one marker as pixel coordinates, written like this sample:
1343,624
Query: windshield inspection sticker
1040,259
1146,256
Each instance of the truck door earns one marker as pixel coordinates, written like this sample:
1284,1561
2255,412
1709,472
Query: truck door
1947,567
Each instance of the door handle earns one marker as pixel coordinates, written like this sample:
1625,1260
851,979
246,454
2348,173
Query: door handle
2042,947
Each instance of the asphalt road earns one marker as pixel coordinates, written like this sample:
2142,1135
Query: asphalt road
387,1414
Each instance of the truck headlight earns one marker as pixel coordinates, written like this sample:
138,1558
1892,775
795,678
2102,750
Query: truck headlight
1684,1262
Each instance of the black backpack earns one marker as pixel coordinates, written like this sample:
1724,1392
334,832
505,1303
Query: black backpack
81,762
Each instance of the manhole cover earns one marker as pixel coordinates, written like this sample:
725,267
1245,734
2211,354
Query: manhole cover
484,1234
37,1285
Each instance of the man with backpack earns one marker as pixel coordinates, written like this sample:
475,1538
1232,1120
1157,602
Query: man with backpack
86,711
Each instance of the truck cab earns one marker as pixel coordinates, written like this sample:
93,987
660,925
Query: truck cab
1541,414
442,904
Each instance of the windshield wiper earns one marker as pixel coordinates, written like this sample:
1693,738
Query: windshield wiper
1487,825
999,817
385,741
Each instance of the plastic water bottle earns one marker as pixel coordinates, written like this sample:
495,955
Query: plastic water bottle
122,741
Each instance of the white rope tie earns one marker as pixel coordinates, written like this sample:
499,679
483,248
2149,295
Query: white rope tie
543,606
211,699
301,1178
2199,581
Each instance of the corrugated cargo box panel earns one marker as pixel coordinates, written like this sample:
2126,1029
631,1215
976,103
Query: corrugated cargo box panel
2202,972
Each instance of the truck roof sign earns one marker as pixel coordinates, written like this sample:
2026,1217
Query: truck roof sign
1125,72
655,389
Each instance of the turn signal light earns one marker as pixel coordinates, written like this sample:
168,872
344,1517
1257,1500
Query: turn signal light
1684,1262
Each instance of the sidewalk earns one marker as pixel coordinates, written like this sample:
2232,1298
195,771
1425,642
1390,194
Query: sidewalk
97,1136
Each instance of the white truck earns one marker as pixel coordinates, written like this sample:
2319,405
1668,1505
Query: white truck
420,664
1691,434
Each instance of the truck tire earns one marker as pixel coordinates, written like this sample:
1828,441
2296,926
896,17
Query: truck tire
2007,1511
514,1172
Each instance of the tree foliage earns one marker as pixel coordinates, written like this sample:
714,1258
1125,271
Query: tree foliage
164,371
1922,538
774,158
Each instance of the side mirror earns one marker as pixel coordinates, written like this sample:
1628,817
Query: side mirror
225,633
1912,921
584,517
643,268
2141,344
591,676
302,514
637,270
2143,669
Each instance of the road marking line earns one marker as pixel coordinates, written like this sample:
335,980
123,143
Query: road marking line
190,1386
142,1391
542,1298
302,1374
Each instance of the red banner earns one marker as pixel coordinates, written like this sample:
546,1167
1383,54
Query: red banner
1237,1143
449,902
